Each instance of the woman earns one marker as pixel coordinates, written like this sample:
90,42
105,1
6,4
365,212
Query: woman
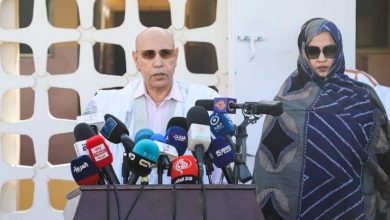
326,156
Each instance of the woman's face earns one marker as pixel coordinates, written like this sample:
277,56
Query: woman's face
321,52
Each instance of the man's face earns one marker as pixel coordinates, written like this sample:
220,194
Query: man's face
156,58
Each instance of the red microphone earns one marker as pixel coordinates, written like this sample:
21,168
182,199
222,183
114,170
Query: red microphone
184,170
102,157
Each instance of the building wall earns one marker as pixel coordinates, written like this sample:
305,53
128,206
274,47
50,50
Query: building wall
278,23
238,75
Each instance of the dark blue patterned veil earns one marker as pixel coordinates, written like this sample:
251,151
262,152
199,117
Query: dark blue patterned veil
311,159
339,125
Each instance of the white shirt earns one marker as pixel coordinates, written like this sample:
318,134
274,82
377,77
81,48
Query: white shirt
382,91
130,110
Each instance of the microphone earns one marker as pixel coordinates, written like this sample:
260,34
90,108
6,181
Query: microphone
178,122
184,170
94,119
176,134
145,154
116,132
102,157
177,137
222,154
198,135
157,137
167,154
82,132
143,133
229,105
222,126
83,170
164,148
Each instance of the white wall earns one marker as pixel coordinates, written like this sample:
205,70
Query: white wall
279,23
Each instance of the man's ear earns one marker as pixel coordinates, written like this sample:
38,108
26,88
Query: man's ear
177,52
135,58
176,55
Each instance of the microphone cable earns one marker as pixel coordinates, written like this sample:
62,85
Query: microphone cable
135,202
174,201
204,203
108,202
117,201
109,199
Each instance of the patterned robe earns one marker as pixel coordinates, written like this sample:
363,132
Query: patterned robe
327,156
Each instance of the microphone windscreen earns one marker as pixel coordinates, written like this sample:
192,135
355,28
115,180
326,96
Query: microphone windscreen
224,105
113,129
184,170
82,132
197,115
177,137
208,104
221,153
147,149
198,128
143,133
221,124
178,122
158,137
167,149
83,170
99,151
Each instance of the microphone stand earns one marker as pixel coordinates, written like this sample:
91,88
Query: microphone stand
162,163
133,179
241,171
102,178
125,168
209,167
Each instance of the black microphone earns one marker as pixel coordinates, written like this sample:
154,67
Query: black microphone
145,154
82,132
178,122
198,135
229,105
116,132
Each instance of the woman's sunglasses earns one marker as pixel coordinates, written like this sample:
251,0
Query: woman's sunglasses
329,51
150,54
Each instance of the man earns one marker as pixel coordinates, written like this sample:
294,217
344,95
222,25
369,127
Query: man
156,93
382,91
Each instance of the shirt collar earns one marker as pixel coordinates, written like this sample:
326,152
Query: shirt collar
174,94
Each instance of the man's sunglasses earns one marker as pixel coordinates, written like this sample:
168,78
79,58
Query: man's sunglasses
329,51
150,54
